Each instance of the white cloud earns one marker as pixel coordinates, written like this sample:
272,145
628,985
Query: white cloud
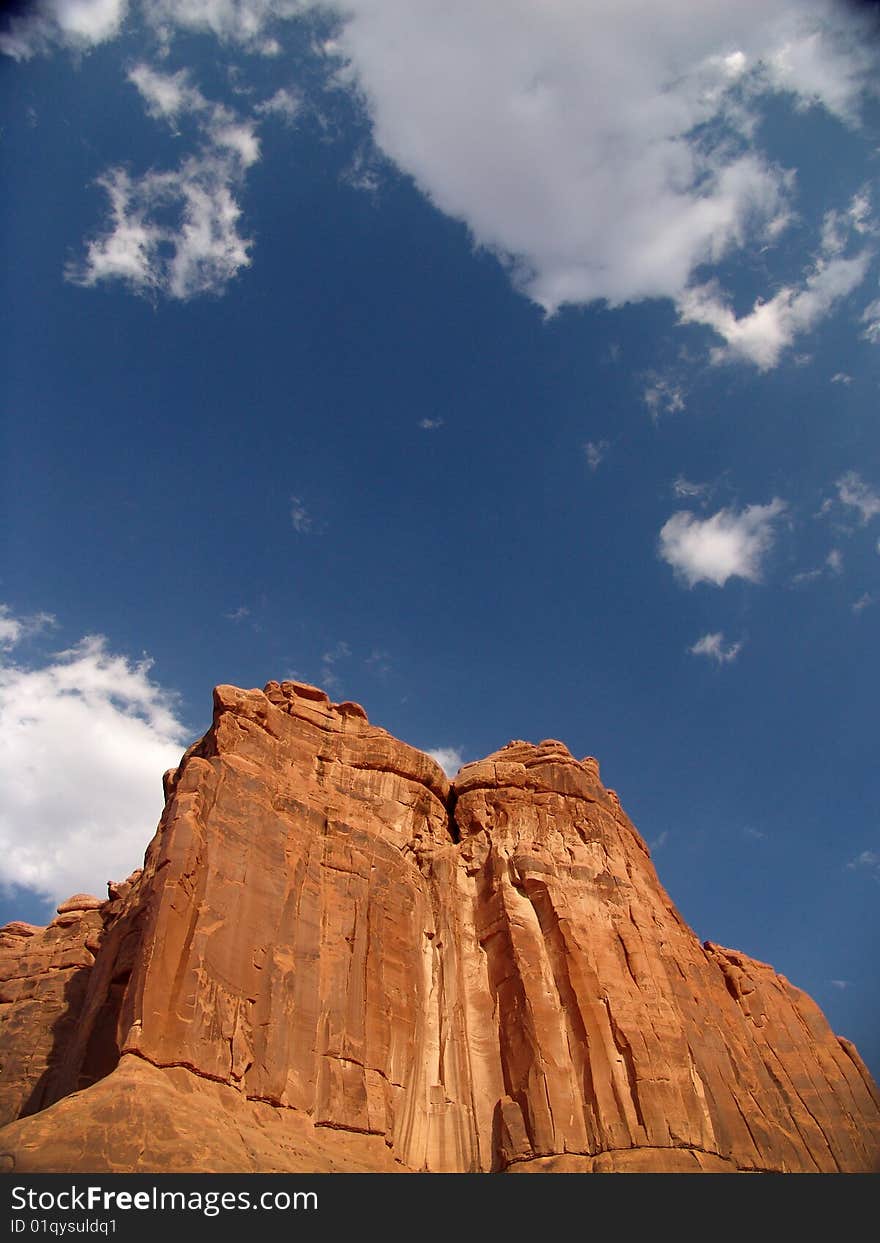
772,326
243,22
430,425
284,104
730,544
595,451
167,95
663,396
839,983
300,516
199,253
176,232
14,630
868,861
841,377
854,492
862,603
712,646
76,24
564,134
685,488
84,740
833,565
871,320
449,758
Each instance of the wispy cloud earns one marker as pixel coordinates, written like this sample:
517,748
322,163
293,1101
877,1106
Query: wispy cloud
713,647
871,320
772,326
730,544
686,490
175,233
430,425
753,834
300,516
15,630
663,395
841,984
855,493
379,662
238,614
862,603
868,861
841,377
595,452
340,652
659,841
284,104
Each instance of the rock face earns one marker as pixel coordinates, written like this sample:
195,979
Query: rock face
334,959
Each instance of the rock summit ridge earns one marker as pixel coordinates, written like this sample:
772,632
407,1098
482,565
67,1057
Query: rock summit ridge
335,958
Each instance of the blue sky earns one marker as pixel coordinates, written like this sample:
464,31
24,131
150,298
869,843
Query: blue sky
509,368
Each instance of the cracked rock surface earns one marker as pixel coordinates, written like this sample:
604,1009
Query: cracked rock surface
336,959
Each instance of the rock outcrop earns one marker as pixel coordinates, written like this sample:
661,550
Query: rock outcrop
336,959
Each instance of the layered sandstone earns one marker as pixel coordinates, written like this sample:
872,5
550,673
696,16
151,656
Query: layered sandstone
334,959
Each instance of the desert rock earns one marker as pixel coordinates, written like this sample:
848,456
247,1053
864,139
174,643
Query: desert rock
364,966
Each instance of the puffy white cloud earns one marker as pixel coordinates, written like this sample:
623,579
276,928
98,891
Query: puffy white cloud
772,326
449,758
713,647
595,452
565,134
854,492
77,24
729,544
84,740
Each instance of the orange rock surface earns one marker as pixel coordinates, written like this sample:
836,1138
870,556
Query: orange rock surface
336,959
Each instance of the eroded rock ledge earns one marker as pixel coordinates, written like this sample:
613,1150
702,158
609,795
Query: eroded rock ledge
336,959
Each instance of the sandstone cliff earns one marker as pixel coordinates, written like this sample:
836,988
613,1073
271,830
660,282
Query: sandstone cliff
334,959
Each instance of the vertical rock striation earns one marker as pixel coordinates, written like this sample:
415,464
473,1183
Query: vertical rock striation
334,959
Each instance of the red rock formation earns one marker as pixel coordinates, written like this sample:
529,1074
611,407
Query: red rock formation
334,960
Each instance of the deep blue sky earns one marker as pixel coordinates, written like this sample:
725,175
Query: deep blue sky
361,457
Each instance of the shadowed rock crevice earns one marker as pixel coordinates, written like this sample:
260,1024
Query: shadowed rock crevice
334,958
